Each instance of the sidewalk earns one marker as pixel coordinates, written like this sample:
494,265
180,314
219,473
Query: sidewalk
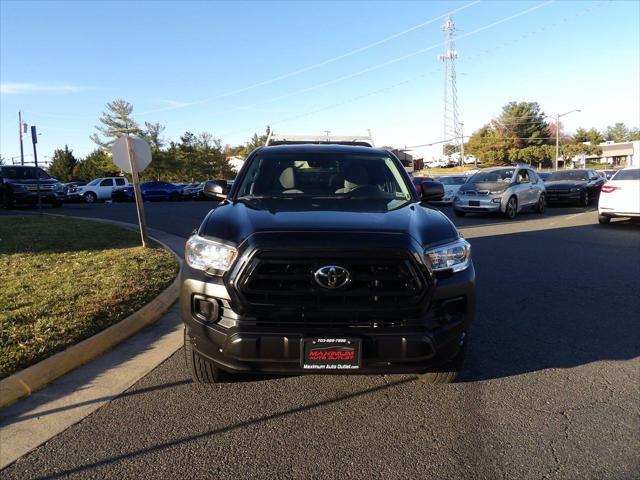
67,400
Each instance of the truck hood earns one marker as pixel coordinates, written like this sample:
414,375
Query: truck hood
235,222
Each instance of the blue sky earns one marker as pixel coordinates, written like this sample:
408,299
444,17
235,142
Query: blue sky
217,67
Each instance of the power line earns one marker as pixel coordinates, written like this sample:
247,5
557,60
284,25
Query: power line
368,69
378,66
282,76
380,90
314,66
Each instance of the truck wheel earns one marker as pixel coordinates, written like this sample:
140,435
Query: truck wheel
512,208
448,372
459,213
90,197
7,202
202,370
603,219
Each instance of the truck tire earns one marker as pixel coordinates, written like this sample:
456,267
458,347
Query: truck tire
202,370
448,372
90,197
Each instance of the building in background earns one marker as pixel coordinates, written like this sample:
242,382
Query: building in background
623,154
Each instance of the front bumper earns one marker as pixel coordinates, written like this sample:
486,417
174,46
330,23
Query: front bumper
564,197
242,344
73,196
31,198
478,203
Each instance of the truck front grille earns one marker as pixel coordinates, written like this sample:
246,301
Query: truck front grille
287,281
33,187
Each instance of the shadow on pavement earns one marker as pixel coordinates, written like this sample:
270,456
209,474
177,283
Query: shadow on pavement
229,428
533,315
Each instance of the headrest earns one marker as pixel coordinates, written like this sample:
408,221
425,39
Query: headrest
287,178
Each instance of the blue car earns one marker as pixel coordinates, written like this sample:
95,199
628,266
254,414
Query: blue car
155,190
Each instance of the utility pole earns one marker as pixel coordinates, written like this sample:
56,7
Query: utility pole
451,125
21,129
34,139
555,167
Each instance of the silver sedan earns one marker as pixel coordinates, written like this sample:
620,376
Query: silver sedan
507,190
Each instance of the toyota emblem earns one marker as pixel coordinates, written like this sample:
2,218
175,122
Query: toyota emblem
332,276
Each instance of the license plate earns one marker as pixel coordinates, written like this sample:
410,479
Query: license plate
331,354
474,203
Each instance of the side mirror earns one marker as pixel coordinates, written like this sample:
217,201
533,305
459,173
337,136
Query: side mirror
432,191
215,189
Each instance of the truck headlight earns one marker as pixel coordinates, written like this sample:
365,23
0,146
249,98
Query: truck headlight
455,256
210,256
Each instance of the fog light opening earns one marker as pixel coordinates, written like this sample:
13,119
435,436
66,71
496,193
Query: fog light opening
206,309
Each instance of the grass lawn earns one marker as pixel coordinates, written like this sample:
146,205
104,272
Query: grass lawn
63,280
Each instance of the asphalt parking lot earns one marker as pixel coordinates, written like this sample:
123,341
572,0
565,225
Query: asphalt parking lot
551,387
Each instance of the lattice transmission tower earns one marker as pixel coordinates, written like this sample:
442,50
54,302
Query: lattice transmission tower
451,122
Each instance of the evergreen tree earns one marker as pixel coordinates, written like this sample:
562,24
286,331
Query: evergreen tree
117,121
97,164
63,164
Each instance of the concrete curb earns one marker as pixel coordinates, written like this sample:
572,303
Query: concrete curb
35,377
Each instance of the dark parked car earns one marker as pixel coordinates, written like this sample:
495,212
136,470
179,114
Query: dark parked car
297,272
19,185
580,186
154,190
544,175
69,186
193,191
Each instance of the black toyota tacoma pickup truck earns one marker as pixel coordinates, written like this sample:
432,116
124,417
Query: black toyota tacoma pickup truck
20,184
323,259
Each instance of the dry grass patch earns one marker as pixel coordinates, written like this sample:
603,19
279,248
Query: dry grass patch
63,280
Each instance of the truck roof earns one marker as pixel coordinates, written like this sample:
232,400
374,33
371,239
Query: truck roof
322,148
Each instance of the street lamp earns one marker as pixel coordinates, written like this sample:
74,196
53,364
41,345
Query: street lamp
555,166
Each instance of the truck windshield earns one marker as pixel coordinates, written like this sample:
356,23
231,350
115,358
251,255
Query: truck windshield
326,177
23,173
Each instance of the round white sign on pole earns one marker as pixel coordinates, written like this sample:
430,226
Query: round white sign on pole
140,149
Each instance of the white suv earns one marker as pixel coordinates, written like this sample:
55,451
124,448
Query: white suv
620,196
98,189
